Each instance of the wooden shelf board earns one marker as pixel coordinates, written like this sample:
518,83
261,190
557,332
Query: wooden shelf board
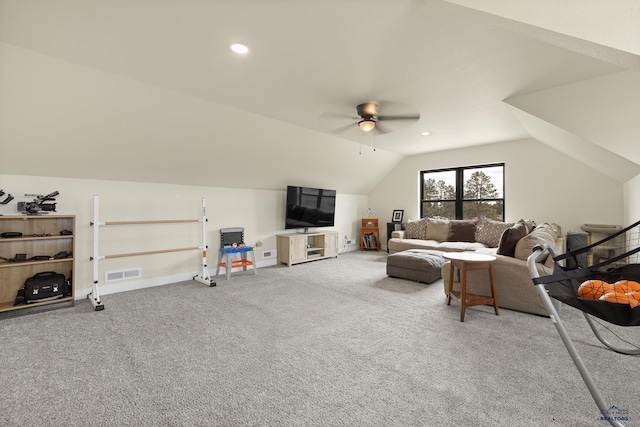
8,306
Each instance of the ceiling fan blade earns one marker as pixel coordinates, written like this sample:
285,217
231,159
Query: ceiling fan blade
381,129
343,129
332,115
413,117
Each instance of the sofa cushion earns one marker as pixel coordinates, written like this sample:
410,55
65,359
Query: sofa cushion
462,230
542,235
510,238
459,246
398,245
437,229
416,229
489,231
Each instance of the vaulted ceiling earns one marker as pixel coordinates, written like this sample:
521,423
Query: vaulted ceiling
149,90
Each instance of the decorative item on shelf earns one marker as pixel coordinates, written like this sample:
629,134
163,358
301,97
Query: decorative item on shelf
397,215
7,200
39,206
370,212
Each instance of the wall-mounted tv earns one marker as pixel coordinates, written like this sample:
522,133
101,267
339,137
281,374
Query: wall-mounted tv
310,207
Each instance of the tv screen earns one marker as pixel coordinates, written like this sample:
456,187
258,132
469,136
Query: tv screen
310,207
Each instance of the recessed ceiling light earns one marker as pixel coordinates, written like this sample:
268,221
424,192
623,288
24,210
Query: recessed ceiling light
239,48
425,133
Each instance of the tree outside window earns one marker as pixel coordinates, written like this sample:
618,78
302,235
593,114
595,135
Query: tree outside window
463,193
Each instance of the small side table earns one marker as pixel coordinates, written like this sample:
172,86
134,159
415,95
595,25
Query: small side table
466,261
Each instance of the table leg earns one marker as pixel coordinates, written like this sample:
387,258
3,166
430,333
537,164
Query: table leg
463,290
227,269
494,294
451,271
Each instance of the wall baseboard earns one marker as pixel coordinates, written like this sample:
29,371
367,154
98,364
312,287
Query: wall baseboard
125,286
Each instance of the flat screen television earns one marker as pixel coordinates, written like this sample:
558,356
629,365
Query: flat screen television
310,207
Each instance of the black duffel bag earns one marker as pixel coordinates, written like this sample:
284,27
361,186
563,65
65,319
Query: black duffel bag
45,286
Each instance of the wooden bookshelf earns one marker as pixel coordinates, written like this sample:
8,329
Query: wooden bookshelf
369,235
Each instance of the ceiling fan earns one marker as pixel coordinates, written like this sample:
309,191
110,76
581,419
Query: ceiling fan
369,118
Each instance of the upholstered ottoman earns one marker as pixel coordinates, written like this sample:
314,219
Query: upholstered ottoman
421,265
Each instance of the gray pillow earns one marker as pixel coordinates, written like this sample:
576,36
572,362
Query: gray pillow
490,231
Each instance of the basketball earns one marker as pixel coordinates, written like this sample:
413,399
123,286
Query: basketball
635,296
627,286
618,298
594,289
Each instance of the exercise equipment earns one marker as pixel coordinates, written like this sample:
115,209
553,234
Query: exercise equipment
620,262
202,277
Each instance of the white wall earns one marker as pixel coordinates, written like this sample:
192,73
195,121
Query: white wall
260,212
541,184
632,201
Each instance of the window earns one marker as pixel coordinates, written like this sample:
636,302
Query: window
463,193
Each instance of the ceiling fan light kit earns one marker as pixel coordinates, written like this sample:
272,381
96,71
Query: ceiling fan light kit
367,125
366,111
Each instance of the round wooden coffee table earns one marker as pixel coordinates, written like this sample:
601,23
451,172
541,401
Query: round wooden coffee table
466,261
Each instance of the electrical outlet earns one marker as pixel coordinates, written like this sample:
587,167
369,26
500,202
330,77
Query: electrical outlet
349,242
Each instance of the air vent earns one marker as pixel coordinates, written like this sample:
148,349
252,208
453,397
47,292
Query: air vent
112,276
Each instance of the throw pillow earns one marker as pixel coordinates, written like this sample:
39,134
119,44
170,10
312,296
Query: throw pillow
415,229
490,231
437,229
462,230
510,238
542,235
529,223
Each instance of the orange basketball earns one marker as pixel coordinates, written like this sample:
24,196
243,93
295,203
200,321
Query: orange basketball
635,296
619,298
627,286
594,289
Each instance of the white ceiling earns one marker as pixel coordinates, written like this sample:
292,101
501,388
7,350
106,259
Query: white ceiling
473,75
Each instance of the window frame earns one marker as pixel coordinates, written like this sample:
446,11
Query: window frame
459,189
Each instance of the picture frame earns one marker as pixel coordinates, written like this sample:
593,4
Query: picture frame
397,215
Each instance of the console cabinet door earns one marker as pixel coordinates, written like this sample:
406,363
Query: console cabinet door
331,245
297,249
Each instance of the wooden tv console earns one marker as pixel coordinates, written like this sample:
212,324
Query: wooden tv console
296,248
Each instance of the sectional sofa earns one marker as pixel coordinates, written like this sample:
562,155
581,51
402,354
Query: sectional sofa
511,243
